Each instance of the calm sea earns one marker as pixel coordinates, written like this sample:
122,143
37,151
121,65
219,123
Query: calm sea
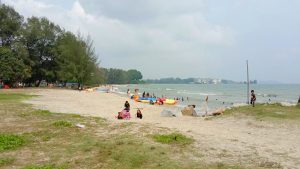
220,95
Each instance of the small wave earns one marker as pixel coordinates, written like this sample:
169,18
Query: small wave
267,95
201,94
168,89
288,104
122,93
239,104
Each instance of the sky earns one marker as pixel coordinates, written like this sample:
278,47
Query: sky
185,38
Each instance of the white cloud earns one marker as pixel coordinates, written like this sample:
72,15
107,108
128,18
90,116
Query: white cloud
169,34
29,7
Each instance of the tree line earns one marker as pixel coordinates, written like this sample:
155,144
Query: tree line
36,50
170,80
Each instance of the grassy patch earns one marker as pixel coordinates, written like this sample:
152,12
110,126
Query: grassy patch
62,123
14,96
267,111
11,141
48,166
173,138
6,161
76,115
42,112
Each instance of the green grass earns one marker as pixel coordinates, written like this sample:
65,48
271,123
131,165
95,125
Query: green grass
267,112
10,141
173,138
47,166
14,96
62,123
6,161
42,112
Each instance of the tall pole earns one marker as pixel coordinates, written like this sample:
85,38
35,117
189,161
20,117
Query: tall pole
248,83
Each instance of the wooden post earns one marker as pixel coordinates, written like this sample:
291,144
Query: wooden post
248,83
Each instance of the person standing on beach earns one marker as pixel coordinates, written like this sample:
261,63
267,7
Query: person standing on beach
128,92
299,100
253,98
206,106
143,94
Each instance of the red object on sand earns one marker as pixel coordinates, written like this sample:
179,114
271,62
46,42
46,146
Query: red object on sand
6,87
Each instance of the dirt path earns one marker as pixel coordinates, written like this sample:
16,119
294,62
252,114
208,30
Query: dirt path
245,141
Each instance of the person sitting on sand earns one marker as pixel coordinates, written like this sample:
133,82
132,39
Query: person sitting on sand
126,114
120,115
127,106
139,114
253,98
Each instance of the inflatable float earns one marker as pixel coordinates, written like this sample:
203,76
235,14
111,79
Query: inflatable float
156,100
170,101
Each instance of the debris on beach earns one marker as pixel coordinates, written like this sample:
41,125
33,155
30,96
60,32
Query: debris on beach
80,125
188,111
219,111
170,113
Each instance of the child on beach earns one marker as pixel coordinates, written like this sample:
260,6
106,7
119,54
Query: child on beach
253,98
139,114
120,115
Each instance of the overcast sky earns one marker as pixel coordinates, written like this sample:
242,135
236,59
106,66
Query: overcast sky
185,38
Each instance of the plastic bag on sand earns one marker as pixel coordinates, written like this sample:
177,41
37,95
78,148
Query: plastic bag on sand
80,125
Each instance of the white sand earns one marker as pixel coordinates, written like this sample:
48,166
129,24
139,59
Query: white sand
244,141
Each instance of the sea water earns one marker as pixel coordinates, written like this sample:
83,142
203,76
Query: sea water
219,95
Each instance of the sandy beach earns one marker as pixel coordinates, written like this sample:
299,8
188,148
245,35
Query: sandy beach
239,140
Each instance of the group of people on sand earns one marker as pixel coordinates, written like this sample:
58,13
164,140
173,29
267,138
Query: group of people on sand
125,113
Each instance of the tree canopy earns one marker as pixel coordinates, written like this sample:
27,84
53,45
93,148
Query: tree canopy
36,49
